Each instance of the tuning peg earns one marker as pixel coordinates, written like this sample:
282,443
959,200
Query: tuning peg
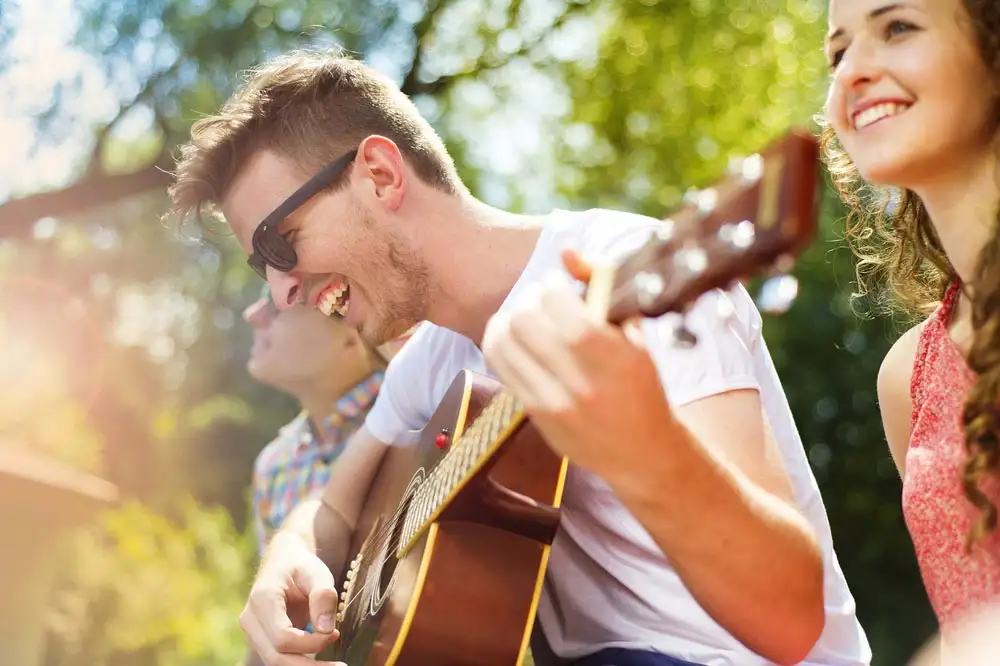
691,259
674,331
682,336
739,235
665,231
777,294
648,287
749,169
703,200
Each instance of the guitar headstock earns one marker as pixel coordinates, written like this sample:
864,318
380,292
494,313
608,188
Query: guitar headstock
759,217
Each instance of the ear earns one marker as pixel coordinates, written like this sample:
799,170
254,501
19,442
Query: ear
384,171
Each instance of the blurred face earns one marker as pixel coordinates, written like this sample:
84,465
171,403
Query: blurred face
910,96
298,348
352,257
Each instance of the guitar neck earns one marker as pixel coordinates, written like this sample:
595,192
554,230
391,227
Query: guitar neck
466,456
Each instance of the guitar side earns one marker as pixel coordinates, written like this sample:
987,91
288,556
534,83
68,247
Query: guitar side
466,593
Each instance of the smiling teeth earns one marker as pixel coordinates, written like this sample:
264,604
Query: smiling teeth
876,113
334,301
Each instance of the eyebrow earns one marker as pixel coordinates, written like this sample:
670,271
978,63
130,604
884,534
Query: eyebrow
875,13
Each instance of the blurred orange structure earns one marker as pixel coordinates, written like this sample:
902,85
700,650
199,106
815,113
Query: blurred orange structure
41,502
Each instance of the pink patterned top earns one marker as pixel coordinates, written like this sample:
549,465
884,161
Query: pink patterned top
937,513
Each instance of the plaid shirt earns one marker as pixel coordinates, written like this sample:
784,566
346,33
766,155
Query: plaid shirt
296,464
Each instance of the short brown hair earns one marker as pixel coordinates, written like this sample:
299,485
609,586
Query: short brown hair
312,106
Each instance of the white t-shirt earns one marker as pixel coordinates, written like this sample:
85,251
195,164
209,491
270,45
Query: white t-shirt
608,583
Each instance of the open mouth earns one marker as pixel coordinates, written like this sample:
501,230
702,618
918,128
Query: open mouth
335,299
873,114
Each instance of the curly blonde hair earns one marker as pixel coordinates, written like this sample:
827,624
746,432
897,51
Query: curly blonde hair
901,265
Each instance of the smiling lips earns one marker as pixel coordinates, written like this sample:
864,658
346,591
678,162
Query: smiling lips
872,113
335,299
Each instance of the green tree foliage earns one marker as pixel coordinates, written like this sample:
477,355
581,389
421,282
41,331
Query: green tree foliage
677,88
143,589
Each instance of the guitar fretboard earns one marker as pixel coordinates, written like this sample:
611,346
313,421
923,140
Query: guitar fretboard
467,454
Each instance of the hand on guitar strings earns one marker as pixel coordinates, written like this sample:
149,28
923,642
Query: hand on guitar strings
293,588
590,387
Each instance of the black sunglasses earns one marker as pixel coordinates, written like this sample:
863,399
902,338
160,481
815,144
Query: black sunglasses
270,248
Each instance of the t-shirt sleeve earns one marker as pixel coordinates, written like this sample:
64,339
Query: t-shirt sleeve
726,324
394,413
727,327
415,381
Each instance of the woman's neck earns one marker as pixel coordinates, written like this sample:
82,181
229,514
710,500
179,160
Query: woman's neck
963,209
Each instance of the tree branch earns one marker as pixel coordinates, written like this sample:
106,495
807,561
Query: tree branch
420,32
18,215
95,163
482,64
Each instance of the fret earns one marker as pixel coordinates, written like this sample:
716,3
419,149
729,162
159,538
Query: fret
467,454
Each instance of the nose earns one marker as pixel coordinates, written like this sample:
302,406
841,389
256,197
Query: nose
286,288
258,313
859,66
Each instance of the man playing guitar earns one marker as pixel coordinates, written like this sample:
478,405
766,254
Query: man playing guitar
692,528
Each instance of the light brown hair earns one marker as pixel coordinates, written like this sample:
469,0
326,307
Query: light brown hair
313,107
894,242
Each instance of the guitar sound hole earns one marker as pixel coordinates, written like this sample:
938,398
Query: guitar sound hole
388,559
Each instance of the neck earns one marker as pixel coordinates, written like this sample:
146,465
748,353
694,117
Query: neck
318,401
476,255
963,209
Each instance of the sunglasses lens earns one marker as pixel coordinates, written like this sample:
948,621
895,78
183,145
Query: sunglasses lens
258,266
277,252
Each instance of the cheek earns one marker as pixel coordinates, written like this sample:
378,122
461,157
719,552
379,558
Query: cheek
834,108
966,98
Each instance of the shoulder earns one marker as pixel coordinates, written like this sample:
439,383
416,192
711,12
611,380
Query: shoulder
896,370
273,452
893,385
727,327
415,380
612,234
428,347
601,234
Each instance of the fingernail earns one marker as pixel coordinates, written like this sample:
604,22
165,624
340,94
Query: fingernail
325,622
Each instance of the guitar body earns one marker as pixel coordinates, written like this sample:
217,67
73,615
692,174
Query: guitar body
466,592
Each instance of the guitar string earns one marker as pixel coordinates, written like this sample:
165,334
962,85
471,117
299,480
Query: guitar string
364,587
383,532
384,535
355,597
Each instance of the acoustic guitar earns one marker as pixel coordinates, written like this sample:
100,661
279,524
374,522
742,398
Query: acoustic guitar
453,542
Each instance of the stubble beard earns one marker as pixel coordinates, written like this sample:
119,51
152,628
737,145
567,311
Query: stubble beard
403,301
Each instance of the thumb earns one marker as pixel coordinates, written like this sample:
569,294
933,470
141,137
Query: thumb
576,265
323,610
316,582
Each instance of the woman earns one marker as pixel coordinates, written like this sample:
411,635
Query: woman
912,139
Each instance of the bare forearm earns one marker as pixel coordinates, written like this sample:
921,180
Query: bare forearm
326,525
750,559
324,532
